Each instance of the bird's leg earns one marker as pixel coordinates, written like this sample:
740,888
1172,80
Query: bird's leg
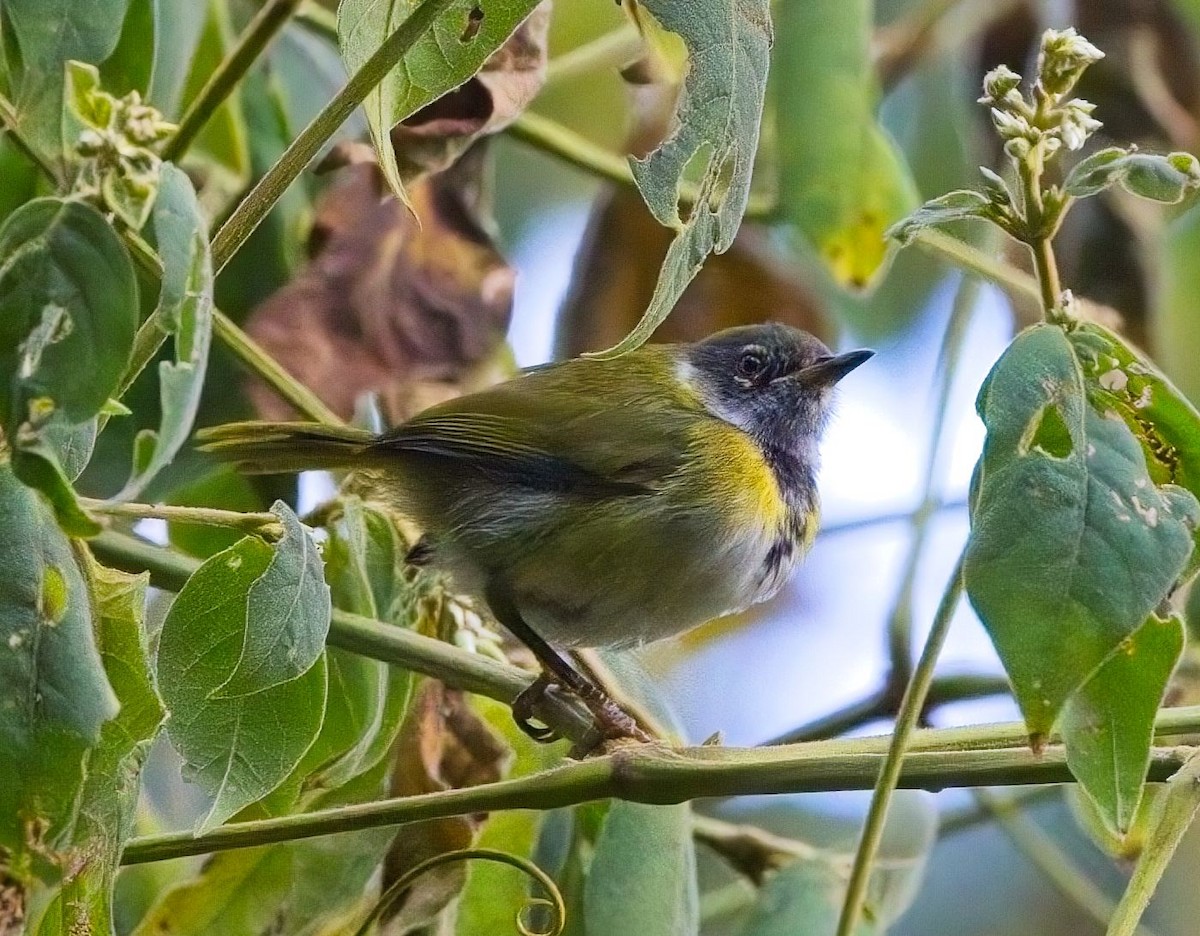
613,721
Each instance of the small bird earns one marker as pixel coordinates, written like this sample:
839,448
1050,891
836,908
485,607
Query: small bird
601,502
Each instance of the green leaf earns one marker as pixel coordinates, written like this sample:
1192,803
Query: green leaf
842,181
238,749
1175,324
1172,819
129,66
289,609
803,897
1120,380
1072,545
108,801
70,308
441,59
1108,724
41,37
716,123
1160,178
185,308
643,876
953,206
36,464
223,488
54,695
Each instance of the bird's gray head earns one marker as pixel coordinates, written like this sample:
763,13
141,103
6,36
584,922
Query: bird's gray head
772,381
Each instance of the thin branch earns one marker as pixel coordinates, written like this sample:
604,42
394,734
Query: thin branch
614,49
1019,285
264,524
262,198
652,773
894,764
573,148
271,17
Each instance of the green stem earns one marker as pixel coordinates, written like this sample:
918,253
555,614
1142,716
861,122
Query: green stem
250,213
1051,861
651,773
270,18
576,150
614,49
265,524
1039,231
911,707
11,125
1019,285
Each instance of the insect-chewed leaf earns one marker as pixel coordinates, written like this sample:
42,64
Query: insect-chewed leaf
185,308
445,56
1072,543
1162,419
1107,725
54,695
842,182
238,748
717,119
643,876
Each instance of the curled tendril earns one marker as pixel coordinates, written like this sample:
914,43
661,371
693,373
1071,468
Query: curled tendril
554,902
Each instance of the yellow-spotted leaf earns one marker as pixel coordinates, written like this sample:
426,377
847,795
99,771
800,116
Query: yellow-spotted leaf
842,181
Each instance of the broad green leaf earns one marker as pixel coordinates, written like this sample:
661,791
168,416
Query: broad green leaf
237,748
803,897
1119,379
41,36
1172,819
1108,724
643,875
54,695
108,801
185,307
179,27
953,206
69,303
1175,323
1072,544
842,182
1160,178
129,66
716,125
20,177
444,57
288,610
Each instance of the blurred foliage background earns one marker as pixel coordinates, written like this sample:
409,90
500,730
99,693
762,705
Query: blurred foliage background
526,249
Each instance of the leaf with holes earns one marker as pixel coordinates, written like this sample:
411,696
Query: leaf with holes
237,748
55,697
716,121
446,53
1108,723
1072,544
842,181
185,307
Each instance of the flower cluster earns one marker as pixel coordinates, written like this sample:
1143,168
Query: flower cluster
116,146
1049,119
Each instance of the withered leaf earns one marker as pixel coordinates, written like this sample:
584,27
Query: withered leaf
439,133
443,745
402,306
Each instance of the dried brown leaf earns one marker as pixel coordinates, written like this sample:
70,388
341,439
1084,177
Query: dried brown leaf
406,307
443,745
439,133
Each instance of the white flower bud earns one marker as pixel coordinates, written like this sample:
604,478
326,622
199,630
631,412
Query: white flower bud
1000,84
1065,55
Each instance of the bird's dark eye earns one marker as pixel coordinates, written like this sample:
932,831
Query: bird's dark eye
751,364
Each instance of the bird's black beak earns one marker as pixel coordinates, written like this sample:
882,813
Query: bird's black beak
827,371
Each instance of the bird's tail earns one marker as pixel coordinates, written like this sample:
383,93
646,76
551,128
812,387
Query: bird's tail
280,448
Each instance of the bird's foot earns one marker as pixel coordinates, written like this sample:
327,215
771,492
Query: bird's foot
612,721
